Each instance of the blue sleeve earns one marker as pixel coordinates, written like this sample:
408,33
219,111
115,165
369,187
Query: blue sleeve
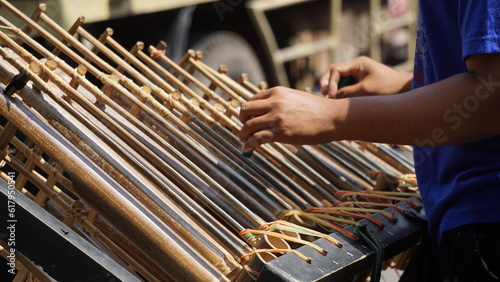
479,26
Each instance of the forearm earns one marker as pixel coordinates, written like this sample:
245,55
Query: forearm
457,110
406,79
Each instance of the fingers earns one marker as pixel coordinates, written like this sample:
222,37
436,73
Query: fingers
257,106
263,94
355,90
256,132
329,82
253,126
257,118
252,109
257,139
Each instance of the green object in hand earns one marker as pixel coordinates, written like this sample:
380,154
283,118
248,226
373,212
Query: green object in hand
346,81
247,154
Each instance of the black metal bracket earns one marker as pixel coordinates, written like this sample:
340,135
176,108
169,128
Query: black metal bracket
17,83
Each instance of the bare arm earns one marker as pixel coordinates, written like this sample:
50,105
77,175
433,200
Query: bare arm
460,109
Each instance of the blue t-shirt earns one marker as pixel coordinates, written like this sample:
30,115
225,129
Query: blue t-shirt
459,184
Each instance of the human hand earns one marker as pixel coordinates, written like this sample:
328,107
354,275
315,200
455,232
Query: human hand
373,78
286,115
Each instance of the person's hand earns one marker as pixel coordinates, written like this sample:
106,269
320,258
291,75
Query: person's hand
286,115
373,78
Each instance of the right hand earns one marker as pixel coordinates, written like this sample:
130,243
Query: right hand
373,78
289,116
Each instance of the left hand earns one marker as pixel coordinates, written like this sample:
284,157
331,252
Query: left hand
373,78
286,115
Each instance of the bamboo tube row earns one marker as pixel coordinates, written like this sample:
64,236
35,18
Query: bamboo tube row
146,159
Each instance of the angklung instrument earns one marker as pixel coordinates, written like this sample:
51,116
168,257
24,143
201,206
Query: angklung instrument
122,164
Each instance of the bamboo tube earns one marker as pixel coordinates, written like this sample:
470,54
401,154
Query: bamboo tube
87,53
272,157
272,170
173,222
124,80
97,112
269,154
88,37
282,149
134,223
5,55
333,169
49,189
289,169
188,77
238,88
102,77
153,65
129,58
194,60
357,161
367,157
164,208
218,154
311,171
35,17
380,152
269,173
66,204
162,57
357,153
355,177
244,81
148,66
159,91
72,30
61,199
